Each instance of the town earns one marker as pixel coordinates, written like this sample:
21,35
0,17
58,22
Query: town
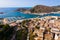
45,28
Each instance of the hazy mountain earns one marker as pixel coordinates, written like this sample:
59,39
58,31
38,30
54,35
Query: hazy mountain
57,7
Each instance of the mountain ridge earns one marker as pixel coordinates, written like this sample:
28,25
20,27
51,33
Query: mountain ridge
41,9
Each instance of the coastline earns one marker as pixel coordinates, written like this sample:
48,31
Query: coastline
43,13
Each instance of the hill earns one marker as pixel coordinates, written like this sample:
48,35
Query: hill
41,9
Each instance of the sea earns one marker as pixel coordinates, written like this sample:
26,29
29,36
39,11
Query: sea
10,12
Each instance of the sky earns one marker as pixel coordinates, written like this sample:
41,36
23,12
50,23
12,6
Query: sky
28,3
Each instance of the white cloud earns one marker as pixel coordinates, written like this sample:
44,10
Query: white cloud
26,3
8,3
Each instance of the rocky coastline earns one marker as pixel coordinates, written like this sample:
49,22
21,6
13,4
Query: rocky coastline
40,10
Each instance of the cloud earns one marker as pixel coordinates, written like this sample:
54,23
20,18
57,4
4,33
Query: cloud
27,3
8,3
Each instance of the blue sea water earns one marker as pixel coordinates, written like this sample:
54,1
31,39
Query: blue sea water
10,12
7,9
16,14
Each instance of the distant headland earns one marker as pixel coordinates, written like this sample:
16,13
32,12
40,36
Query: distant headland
1,13
40,9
